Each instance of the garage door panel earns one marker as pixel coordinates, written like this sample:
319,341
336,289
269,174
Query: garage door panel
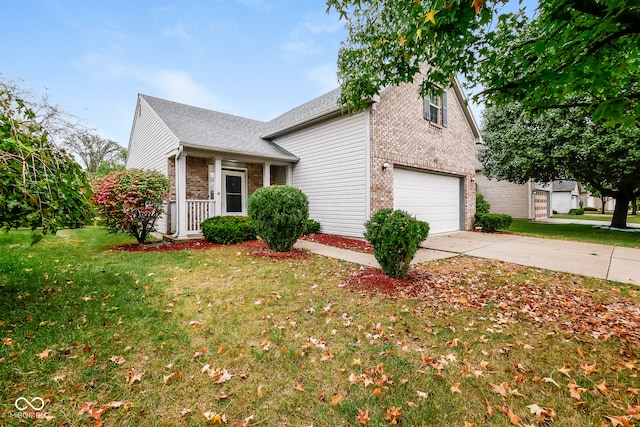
430,197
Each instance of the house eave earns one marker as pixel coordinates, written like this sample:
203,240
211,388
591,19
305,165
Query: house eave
325,115
292,158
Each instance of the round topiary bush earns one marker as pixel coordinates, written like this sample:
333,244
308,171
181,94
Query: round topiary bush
395,236
278,214
227,229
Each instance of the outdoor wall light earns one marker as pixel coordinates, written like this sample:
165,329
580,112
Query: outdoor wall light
385,166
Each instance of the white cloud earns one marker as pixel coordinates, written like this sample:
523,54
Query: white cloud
176,85
324,77
306,36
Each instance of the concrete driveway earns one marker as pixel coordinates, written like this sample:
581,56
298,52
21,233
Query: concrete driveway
589,259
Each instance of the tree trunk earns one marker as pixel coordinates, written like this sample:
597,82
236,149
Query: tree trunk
604,202
634,206
620,212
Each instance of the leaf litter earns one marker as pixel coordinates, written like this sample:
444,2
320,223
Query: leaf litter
463,284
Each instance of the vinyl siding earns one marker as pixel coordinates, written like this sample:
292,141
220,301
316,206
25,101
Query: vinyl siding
333,172
149,145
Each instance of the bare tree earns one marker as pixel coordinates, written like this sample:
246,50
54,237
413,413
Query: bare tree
91,149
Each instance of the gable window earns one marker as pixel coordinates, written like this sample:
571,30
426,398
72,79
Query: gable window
435,109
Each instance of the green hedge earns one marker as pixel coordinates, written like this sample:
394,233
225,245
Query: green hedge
576,211
482,206
589,209
279,214
311,226
490,223
395,236
228,229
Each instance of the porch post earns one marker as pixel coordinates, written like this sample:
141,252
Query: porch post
181,195
217,187
289,174
266,174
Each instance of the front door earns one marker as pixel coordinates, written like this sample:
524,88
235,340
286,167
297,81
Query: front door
234,192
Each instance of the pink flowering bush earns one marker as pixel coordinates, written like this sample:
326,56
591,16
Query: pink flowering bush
131,201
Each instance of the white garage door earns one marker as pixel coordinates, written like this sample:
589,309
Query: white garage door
430,197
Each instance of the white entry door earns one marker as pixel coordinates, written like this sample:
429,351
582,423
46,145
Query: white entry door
234,192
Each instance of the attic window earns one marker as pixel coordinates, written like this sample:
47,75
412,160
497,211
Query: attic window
435,109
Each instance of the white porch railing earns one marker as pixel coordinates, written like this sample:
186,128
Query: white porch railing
198,211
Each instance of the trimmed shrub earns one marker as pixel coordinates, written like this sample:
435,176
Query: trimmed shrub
482,206
278,214
590,209
576,211
131,201
490,223
395,236
311,226
228,229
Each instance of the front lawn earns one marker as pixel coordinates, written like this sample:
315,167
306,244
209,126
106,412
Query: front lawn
631,219
220,335
578,232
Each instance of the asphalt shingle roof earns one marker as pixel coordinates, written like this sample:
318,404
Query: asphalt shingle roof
211,129
226,132
564,185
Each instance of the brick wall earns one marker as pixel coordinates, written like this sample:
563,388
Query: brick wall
254,177
197,178
401,137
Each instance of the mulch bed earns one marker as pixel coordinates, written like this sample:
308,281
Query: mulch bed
340,242
253,247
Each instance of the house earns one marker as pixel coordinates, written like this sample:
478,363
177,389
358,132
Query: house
566,195
530,201
401,152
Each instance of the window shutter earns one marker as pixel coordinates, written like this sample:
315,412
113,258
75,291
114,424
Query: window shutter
426,110
445,122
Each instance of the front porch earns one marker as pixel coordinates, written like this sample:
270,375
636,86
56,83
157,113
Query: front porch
207,184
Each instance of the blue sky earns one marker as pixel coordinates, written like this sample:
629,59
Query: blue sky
254,58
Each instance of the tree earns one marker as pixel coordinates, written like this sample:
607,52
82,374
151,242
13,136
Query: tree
568,47
131,201
41,186
116,163
92,149
563,145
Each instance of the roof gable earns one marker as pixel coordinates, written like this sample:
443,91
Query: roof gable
200,127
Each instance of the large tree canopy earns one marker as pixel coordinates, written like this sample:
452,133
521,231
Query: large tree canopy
41,186
568,144
567,47
92,149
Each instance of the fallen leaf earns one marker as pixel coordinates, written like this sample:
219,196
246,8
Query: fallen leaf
44,354
422,394
377,392
195,324
602,387
620,421
336,399
167,378
133,377
118,360
513,418
588,369
261,391
393,415
455,387
299,387
363,417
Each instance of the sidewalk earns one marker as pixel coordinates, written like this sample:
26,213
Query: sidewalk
588,259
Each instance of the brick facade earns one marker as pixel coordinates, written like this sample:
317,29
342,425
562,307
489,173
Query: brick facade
197,178
254,177
400,136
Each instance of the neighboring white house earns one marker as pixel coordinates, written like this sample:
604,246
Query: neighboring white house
402,152
565,195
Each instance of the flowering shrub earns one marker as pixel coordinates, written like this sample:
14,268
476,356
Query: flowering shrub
131,201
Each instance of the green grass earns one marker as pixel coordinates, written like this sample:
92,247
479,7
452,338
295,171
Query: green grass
631,219
577,232
293,339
